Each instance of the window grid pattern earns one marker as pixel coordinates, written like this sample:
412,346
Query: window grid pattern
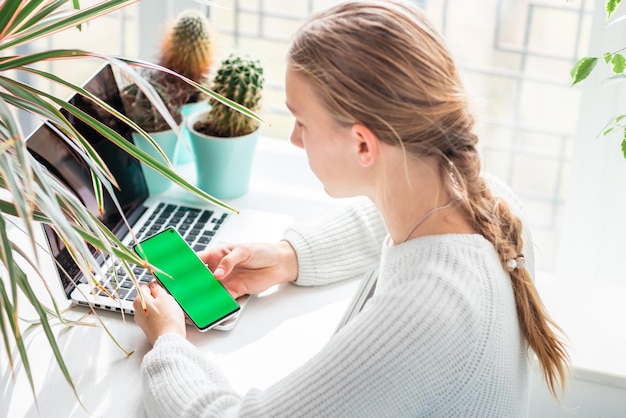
518,62
530,145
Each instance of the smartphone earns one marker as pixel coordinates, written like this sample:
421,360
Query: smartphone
205,301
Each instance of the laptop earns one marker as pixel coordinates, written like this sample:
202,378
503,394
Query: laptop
201,224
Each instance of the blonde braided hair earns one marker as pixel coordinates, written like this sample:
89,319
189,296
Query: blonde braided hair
382,64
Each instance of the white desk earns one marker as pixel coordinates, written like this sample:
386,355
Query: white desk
276,333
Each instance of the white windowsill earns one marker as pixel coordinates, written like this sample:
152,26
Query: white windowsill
593,316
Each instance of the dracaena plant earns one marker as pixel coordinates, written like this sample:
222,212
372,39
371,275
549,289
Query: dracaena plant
29,194
617,63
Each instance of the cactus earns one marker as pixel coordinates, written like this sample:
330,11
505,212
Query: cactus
239,79
139,108
187,49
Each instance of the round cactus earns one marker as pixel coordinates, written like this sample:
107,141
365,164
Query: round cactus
239,79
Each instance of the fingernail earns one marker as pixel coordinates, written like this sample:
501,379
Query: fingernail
218,271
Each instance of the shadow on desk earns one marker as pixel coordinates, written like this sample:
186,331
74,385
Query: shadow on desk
278,331
268,311
101,372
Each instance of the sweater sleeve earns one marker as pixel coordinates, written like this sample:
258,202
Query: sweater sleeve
415,349
348,243
343,246
180,382
373,367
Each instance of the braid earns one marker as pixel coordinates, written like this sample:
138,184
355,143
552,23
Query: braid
414,91
493,218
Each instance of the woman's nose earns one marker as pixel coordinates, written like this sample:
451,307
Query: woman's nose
296,137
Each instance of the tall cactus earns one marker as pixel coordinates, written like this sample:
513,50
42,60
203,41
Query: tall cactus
239,79
187,49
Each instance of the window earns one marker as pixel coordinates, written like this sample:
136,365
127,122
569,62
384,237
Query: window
515,65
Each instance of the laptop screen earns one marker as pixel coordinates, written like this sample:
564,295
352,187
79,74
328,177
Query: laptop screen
60,158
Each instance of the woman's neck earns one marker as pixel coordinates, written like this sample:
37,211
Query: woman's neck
414,201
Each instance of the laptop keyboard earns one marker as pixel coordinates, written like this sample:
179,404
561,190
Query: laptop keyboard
197,226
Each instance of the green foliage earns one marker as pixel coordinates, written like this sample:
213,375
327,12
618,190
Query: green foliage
582,69
30,194
617,63
611,6
239,79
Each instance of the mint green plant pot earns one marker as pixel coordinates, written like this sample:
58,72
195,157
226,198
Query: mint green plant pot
168,141
223,165
184,152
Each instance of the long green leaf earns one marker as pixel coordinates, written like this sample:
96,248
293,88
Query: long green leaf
8,11
35,190
17,62
3,326
20,89
35,267
32,298
18,180
11,314
114,136
11,308
119,250
6,254
224,100
101,103
57,24
32,12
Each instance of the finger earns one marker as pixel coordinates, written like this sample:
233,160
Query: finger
234,287
229,261
154,288
158,291
212,256
142,300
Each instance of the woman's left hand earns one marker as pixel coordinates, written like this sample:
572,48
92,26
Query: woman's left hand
161,314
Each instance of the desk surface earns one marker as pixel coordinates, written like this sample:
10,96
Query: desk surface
278,331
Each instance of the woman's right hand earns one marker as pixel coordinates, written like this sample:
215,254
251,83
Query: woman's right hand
246,269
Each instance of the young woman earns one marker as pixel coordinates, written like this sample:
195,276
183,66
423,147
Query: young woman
381,113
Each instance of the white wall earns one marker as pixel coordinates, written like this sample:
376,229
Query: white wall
585,397
592,244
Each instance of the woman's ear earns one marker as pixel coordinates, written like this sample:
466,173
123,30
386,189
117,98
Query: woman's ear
366,143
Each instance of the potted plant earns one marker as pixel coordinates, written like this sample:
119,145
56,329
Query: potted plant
617,62
222,141
31,194
187,49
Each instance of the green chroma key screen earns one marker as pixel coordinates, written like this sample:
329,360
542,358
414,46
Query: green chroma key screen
203,298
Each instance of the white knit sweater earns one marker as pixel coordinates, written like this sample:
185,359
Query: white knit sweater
440,337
